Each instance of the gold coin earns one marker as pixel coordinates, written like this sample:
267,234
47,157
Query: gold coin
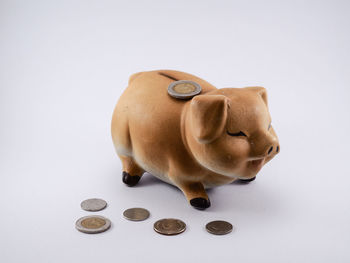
92,224
169,226
184,89
219,227
136,214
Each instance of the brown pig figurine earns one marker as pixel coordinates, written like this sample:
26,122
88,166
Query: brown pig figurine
212,139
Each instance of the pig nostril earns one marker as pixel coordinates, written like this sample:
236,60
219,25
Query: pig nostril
270,150
277,149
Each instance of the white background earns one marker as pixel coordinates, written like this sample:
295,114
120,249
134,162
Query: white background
63,66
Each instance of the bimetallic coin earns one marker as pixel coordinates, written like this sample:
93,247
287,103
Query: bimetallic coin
93,204
169,226
184,89
219,227
136,214
93,224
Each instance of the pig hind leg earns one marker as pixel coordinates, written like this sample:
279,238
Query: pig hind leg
131,171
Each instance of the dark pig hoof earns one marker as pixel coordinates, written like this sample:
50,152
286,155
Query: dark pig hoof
200,203
130,180
246,180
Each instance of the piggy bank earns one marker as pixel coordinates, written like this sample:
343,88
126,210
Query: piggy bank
212,139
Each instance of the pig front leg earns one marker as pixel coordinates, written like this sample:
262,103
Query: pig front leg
131,171
194,192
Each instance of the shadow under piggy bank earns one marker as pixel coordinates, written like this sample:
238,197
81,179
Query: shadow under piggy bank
250,198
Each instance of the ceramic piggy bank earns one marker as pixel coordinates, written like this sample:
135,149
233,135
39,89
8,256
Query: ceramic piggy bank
209,140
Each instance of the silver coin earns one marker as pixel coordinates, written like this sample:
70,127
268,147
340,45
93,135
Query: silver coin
169,226
92,224
136,214
184,89
219,227
93,204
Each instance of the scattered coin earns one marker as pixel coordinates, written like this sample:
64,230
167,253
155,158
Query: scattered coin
93,224
136,214
93,204
184,89
169,226
219,227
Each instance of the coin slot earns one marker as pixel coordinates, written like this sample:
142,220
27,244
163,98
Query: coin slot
167,76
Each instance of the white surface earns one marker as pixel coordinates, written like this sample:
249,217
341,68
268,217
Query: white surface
63,66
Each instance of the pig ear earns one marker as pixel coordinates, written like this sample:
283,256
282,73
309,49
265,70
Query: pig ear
261,91
208,116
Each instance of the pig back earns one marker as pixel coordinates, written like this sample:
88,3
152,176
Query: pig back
154,118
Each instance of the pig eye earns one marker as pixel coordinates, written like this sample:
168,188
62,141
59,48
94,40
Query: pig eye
237,134
268,128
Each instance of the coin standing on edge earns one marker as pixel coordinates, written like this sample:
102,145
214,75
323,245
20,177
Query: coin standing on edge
169,226
92,224
219,227
93,204
136,214
184,89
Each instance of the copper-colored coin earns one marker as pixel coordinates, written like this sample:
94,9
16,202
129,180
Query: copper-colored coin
169,226
184,89
93,204
136,214
93,224
219,227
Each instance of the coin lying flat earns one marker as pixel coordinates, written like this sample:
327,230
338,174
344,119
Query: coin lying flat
219,227
169,226
93,224
184,89
93,204
136,214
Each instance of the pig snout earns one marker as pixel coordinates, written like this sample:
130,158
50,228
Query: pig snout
264,145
